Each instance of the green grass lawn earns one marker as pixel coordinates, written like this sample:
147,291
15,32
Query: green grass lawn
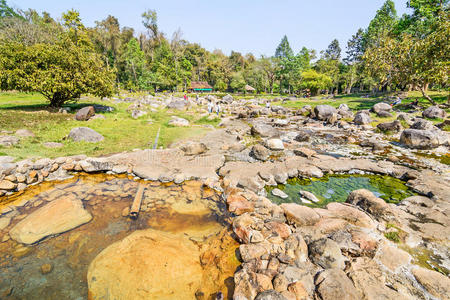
357,102
121,131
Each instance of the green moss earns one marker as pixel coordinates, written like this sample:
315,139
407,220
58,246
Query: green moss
393,236
336,188
444,159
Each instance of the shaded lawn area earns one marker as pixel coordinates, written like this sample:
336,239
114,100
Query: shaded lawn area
121,131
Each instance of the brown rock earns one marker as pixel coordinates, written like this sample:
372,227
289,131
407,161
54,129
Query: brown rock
300,215
251,251
241,227
351,214
239,204
298,290
68,166
32,174
55,217
334,284
370,203
7,185
392,257
280,283
435,283
85,113
305,152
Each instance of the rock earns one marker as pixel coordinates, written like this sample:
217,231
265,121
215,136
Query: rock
239,204
4,222
422,124
178,104
279,193
245,285
6,159
392,257
333,118
194,148
260,152
136,113
7,185
384,114
343,106
350,214
305,152
362,119
423,139
55,217
8,140
24,133
263,130
270,295
178,122
394,126
95,165
323,112
85,113
144,265
46,268
280,283
334,284
309,196
326,253
275,144
299,291
251,251
434,112
435,283
299,214
381,107
85,134
303,136
228,98
366,200
53,145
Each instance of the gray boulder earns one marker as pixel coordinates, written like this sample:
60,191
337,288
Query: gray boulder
434,112
394,126
228,98
423,139
24,133
362,118
85,113
263,130
384,114
326,253
270,295
85,134
260,152
178,104
323,112
8,140
422,124
381,107
135,114
194,148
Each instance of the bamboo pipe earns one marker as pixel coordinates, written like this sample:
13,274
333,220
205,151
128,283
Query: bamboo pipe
136,206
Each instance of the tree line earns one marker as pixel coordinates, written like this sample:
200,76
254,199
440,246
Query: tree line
65,59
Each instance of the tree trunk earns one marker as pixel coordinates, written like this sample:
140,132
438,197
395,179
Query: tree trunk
424,94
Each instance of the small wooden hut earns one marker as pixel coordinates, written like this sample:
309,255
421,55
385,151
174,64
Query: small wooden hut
200,87
249,89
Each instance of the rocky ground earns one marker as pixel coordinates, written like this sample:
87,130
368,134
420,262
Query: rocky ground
364,248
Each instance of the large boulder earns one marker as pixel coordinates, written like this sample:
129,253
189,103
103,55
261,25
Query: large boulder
394,126
423,139
194,148
334,284
85,113
367,201
8,140
275,144
362,118
7,185
147,264
24,133
422,124
178,104
55,217
326,253
323,112
381,107
227,98
178,122
434,282
299,214
434,112
263,130
260,152
85,134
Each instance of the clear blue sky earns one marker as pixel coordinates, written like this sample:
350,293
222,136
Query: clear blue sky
255,26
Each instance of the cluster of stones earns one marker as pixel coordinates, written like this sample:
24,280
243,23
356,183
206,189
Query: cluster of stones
296,252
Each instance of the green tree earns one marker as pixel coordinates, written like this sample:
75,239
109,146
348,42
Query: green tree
284,49
315,81
60,70
7,11
333,51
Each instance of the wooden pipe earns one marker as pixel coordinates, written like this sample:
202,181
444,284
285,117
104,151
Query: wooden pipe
136,206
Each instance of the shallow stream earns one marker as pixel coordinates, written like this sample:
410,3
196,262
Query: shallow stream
189,215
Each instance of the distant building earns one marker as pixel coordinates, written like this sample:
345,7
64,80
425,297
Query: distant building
249,89
200,86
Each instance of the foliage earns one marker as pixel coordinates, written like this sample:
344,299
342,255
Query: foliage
315,81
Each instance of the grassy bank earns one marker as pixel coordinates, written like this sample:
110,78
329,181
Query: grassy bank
121,131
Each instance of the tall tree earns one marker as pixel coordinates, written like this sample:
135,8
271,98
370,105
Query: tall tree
284,49
333,51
